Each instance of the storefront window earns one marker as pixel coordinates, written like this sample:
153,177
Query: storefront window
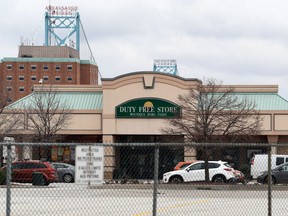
63,153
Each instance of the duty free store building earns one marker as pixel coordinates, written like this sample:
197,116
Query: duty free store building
132,108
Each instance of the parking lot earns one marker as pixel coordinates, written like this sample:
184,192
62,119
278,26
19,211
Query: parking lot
137,199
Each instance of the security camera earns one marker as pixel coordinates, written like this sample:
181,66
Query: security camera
40,81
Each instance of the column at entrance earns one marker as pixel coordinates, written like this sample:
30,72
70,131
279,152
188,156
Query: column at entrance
273,139
109,157
190,153
25,152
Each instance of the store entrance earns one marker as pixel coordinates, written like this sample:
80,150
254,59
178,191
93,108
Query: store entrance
137,162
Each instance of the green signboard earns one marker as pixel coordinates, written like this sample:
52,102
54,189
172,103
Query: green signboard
148,108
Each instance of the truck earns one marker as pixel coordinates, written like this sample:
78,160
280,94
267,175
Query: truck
259,163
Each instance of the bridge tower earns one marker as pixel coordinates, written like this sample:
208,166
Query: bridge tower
166,66
62,26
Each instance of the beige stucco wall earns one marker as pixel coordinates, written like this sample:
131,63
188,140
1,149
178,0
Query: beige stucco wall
281,122
85,121
147,84
275,122
266,124
81,122
158,85
139,85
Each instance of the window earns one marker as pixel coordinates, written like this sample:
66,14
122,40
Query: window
57,78
45,78
279,160
197,166
69,78
60,166
21,78
9,100
285,168
213,165
33,78
45,67
57,67
16,166
33,67
9,77
184,165
69,67
39,166
9,67
9,88
21,67
21,89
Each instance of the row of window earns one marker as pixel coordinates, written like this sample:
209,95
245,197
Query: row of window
21,89
34,67
45,78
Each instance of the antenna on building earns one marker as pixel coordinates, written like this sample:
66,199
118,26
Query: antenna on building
166,66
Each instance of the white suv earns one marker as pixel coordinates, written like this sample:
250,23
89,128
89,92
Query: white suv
219,171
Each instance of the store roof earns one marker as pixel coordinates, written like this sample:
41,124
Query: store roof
74,100
265,101
93,100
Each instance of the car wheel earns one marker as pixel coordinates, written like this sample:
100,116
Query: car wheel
45,182
68,178
219,178
273,180
176,179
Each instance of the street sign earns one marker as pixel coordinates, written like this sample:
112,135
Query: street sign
89,165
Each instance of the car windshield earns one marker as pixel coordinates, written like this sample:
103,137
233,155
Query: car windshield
184,166
284,166
52,165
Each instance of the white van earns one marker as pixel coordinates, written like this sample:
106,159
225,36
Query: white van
259,163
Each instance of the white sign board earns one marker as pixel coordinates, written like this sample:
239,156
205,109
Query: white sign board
89,165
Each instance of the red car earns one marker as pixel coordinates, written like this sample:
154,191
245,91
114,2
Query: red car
183,164
240,177
22,171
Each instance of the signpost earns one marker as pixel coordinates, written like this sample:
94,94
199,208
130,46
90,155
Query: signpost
89,165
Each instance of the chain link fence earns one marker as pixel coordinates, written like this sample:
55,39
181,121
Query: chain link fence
140,179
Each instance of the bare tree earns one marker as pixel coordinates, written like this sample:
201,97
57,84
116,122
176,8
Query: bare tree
11,122
46,116
214,113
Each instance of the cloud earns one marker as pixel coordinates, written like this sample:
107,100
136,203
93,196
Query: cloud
239,42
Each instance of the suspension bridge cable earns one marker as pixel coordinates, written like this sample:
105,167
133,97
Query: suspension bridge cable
89,46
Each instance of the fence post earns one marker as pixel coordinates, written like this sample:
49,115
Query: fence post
155,188
9,141
269,182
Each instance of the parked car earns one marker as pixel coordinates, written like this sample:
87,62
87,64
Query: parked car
219,171
65,172
259,163
183,164
240,177
278,174
22,171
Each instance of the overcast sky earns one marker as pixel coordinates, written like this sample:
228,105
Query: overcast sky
236,41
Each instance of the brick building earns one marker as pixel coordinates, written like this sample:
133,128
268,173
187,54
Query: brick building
44,64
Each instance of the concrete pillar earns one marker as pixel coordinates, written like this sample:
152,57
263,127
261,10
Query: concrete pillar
109,157
109,162
273,139
190,153
107,139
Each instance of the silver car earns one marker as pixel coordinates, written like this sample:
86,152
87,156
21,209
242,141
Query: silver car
65,172
279,175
